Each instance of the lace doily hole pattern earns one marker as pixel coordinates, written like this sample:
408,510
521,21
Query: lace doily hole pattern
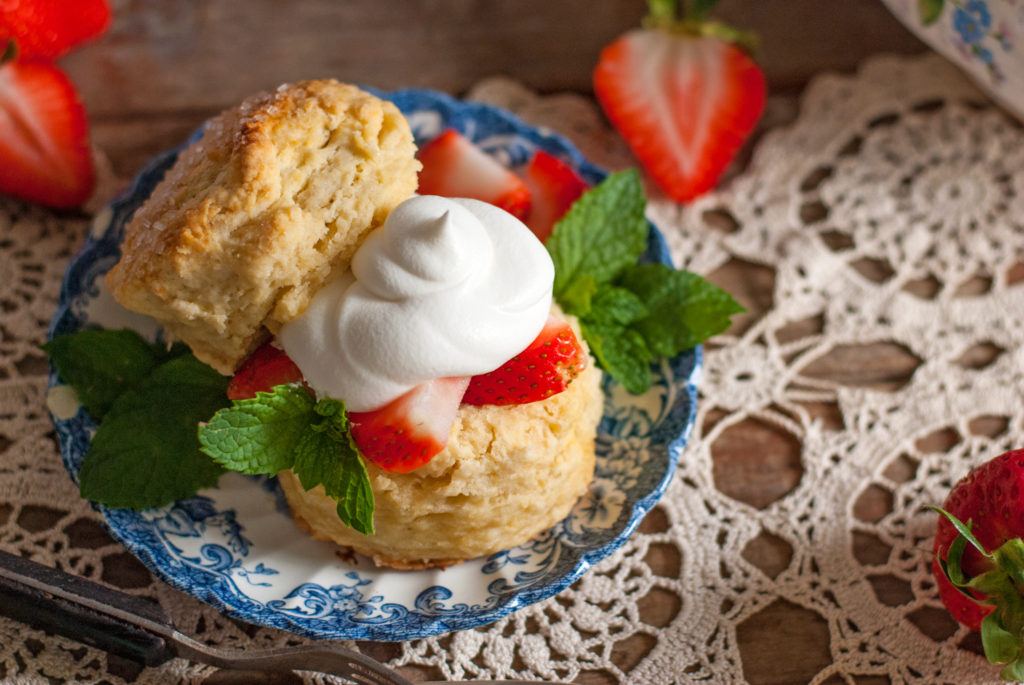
771,638
768,456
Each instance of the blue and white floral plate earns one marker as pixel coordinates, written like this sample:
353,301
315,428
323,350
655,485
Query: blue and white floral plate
982,37
236,547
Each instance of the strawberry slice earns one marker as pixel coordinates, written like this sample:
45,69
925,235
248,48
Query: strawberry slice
261,371
44,136
684,103
453,166
544,368
407,432
554,186
48,29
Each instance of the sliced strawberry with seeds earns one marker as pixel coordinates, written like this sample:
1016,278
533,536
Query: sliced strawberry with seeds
265,368
409,431
554,186
684,103
48,29
44,136
453,166
544,368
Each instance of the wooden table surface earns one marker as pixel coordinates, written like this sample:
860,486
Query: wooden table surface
166,65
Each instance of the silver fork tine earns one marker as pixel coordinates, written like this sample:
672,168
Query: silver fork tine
330,659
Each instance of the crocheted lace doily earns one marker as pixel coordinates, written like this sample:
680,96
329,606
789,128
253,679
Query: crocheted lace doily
890,211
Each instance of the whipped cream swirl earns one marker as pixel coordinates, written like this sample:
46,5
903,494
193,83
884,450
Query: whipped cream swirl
446,287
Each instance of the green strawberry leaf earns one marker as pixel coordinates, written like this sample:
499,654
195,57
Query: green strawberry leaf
952,564
1013,671
258,435
1010,558
1000,645
145,452
964,529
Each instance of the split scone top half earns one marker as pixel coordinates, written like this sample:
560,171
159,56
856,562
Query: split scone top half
270,212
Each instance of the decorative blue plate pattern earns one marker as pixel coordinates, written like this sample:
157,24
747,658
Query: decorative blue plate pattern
236,547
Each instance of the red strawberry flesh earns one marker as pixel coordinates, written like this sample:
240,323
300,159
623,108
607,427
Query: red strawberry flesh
45,155
265,368
544,368
408,432
554,187
684,104
49,29
454,166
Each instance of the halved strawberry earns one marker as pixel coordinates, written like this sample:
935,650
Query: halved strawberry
453,166
261,371
409,431
44,136
554,186
544,368
48,29
684,103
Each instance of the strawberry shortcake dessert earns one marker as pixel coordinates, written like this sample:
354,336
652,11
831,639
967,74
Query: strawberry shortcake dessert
288,246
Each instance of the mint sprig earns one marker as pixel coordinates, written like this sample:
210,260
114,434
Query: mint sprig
629,313
288,429
153,444
148,400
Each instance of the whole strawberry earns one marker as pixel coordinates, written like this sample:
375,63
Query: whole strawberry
979,558
683,93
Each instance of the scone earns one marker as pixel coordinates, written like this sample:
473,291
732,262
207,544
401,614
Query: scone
508,473
254,217
295,206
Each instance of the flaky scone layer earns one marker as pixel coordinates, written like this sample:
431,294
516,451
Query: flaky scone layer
507,474
257,215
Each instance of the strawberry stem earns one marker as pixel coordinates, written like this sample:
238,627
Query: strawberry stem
690,19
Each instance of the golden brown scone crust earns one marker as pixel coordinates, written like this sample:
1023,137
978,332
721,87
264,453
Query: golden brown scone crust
507,474
255,216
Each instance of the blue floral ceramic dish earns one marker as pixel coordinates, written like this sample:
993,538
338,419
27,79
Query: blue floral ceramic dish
982,37
236,547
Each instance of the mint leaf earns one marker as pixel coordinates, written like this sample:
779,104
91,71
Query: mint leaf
629,313
287,429
259,435
101,365
621,352
326,455
684,308
576,297
616,305
603,232
145,452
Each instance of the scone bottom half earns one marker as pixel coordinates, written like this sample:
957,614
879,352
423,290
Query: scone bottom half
507,474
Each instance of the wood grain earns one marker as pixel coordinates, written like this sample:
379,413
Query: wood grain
166,65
